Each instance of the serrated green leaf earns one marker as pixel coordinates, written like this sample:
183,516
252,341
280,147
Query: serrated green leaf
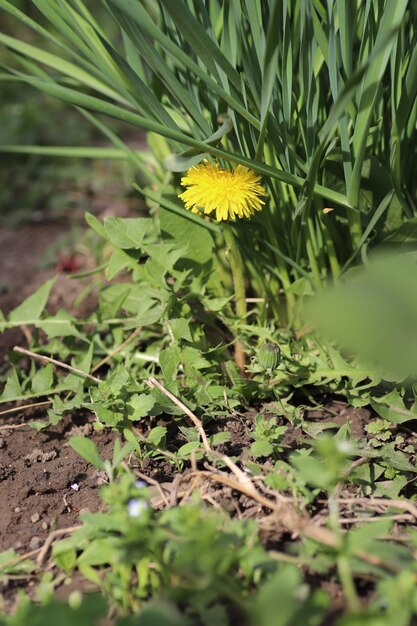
12,388
180,329
141,404
169,360
261,447
218,438
107,416
60,325
127,233
29,311
391,407
199,242
43,379
118,262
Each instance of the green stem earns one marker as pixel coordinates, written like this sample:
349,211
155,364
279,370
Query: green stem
238,276
283,275
236,265
342,560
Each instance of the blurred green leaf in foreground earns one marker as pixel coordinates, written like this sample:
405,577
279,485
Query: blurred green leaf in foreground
372,313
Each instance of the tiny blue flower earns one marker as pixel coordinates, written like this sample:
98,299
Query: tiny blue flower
136,507
139,484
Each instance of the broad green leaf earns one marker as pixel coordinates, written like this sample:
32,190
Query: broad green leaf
157,436
95,224
169,360
198,240
127,233
43,379
191,357
64,555
360,538
109,417
273,604
118,262
30,310
12,388
180,329
101,551
121,452
219,438
261,447
25,566
405,237
60,325
88,450
187,449
391,407
140,404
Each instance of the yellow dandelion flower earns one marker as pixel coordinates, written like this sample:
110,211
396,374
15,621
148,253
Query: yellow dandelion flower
228,194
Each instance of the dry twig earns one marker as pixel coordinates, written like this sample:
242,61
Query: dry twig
297,524
47,359
402,505
51,538
152,382
16,409
117,350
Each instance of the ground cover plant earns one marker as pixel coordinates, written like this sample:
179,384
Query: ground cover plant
281,147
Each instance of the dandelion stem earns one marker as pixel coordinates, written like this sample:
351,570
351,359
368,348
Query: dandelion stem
238,276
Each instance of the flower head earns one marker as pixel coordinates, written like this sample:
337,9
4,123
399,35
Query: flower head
136,507
228,194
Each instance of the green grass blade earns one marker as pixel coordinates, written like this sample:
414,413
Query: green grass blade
138,13
73,152
197,37
390,22
60,65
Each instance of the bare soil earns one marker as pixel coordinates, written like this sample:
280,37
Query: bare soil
44,484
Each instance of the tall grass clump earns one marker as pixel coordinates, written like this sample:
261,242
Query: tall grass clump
316,99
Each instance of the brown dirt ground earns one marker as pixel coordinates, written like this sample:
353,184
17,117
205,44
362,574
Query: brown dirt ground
36,474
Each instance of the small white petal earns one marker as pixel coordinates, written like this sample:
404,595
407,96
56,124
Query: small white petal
136,507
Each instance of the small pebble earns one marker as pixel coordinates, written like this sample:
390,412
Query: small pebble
35,543
102,478
2,443
44,525
87,430
75,487
35,518
17,509
85,509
